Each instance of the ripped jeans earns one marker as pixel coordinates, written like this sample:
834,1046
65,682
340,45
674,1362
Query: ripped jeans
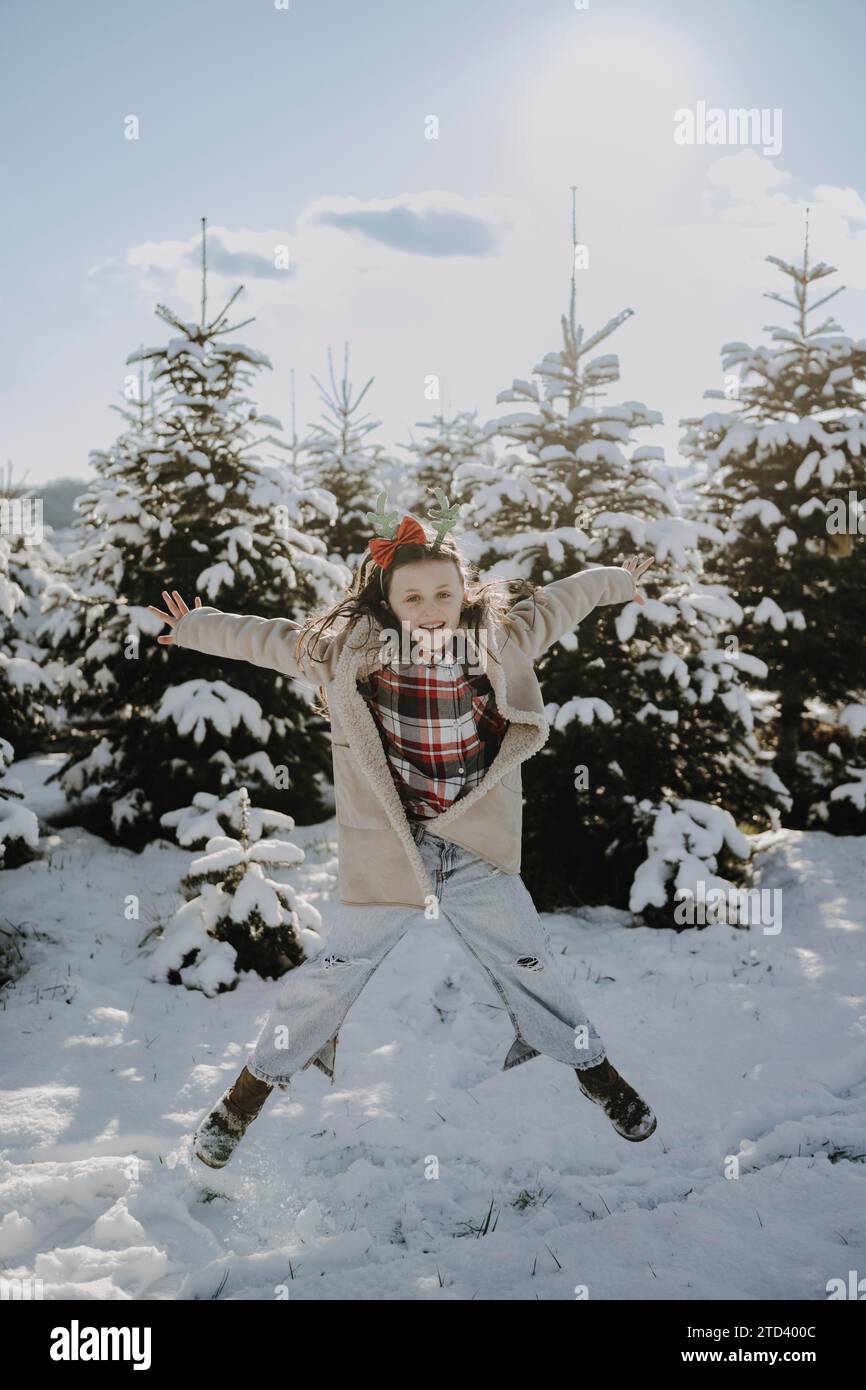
494,918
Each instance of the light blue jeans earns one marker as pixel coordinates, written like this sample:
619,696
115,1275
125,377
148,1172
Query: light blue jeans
495,919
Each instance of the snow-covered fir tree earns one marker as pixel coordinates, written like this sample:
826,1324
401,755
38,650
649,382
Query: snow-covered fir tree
19,826
785,482
236,917
182,502
28,673
453,447
314,508
653,757
209,815
340,459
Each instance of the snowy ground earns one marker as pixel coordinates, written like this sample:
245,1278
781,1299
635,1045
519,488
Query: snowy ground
744,1043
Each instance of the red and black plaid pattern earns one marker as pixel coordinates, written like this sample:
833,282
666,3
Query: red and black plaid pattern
440,729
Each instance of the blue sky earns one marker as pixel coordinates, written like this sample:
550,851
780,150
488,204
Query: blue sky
305,127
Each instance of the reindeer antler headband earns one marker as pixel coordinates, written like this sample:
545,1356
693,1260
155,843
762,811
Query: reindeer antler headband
383,546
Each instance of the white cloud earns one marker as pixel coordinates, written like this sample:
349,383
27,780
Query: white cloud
746,176
691,260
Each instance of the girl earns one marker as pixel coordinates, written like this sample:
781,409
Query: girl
427,743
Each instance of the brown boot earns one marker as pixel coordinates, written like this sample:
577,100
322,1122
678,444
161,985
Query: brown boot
222,1129
248,1094
630,1116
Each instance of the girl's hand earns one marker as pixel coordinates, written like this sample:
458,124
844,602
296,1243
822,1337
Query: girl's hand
637,568
177,608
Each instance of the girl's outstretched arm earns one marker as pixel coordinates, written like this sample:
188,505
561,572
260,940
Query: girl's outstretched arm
268,642
535,624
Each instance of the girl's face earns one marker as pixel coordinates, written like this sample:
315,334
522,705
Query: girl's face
428,595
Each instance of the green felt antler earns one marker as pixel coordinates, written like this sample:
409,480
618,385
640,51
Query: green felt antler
384,523
443,516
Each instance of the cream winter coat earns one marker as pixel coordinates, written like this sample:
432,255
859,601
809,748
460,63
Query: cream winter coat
379,861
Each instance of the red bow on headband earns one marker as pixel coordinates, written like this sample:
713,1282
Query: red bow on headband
408,532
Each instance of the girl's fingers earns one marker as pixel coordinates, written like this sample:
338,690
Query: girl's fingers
637,566
166,617
177,609
182,608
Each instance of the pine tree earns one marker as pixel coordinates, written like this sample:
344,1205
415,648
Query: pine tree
183,502
341,461
314,509
648,713
780,470
236,917
447,457
28,565
28,678
19,827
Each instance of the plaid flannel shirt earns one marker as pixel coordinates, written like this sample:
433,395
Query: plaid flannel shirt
440,729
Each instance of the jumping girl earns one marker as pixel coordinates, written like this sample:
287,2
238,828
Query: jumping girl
427,678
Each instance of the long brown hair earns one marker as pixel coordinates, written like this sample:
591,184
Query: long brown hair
364,599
